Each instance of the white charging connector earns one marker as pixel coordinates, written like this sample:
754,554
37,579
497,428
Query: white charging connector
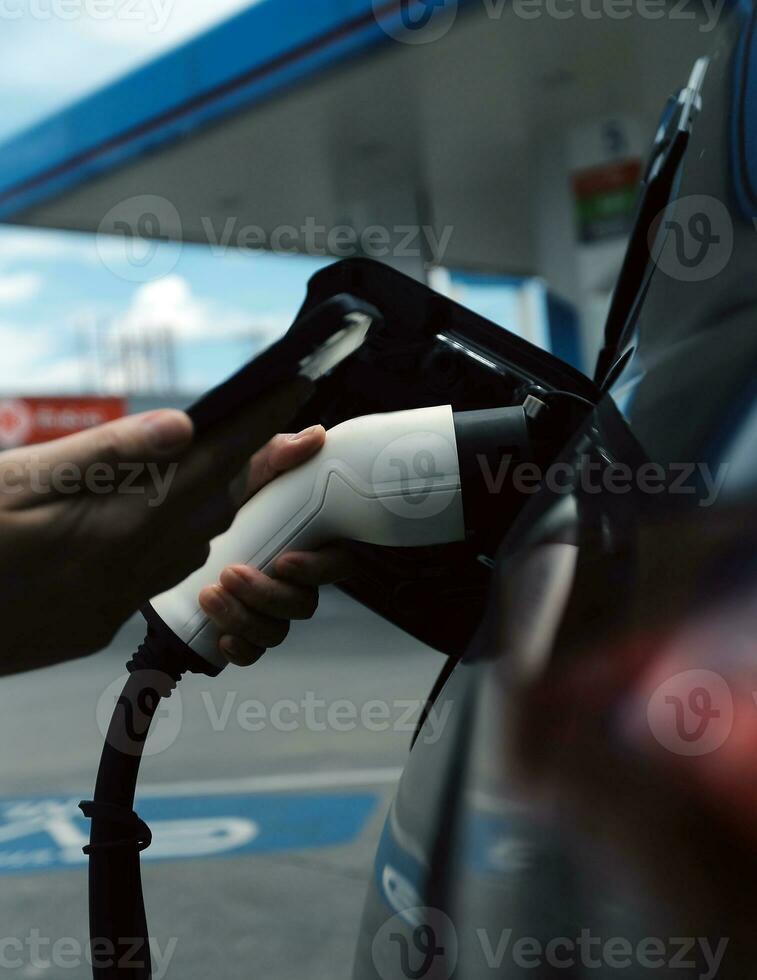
390,479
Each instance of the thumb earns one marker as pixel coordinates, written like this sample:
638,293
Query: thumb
282,453
137,438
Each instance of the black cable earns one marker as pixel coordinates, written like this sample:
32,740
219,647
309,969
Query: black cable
544,395
118,927
119,941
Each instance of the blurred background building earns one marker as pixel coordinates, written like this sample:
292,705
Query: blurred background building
169,182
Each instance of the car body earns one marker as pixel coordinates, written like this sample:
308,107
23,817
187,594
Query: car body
530,817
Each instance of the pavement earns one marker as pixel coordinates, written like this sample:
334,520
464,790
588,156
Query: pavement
266,790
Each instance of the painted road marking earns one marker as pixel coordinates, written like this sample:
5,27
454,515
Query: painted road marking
44,834
275,783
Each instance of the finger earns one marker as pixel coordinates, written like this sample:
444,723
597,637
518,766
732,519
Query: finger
233,618
257,591
240,652
282,453
314,568
150,437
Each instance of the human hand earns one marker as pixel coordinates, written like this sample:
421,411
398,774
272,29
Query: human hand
252,610
94,525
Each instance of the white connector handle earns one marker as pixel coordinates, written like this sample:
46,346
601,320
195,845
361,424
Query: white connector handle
390,479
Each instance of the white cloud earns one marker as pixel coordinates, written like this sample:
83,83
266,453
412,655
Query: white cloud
166,306
85,52
169,304
161,23
30,371
20,345
23,351
27,244
40,358
62,377
20,244
18,287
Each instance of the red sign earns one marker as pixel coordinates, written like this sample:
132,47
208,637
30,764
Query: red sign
25,421
606,199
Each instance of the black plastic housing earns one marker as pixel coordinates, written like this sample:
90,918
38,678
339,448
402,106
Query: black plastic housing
491,444
427,350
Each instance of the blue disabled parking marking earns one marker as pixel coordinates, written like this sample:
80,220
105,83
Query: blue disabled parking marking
48,833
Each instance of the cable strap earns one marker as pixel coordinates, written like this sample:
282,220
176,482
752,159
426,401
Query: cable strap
140,836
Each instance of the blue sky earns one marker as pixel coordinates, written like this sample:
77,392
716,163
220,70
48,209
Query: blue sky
56,288
49,60
59,293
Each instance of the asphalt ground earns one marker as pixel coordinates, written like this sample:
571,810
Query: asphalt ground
266,790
